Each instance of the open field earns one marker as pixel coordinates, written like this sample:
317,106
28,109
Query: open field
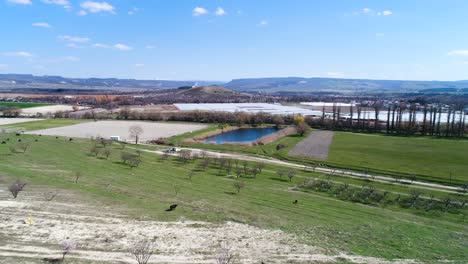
315,146
10,121
106,129
430,159
37,124
318,220
22,105
48,109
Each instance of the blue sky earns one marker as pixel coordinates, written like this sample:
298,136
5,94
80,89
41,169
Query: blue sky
226,39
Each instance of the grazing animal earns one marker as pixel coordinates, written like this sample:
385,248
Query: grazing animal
40,135
18,134
36,140
171,208
3,142
295,201
8,139
56,137
19,140
70,139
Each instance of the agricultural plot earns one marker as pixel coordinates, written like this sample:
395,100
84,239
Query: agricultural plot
10,121
438,160
106,129
48,109
22,105
315,146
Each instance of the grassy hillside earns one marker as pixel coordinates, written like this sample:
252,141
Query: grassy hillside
22,105
266,201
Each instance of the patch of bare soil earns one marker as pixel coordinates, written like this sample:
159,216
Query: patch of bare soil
31,230
315,146
275,136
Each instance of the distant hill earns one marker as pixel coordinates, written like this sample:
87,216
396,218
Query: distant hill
299,84
17,81
29,83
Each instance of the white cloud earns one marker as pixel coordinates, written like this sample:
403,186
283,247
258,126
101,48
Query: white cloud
198,11
99,45
117,46
387,12
122,47
3,66
41,24
458,52
150,47
379,34
74,39
97,7
370,12
263,23
133,11
65,3
81,13
220,11
20,2
17,54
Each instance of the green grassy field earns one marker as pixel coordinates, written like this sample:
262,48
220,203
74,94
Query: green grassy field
430,159
22,105
43,124
266,201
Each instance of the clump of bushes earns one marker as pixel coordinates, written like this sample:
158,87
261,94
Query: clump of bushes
368,194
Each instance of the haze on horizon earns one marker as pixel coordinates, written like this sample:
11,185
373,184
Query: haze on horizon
223,40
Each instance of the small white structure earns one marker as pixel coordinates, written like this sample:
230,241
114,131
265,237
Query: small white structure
115,138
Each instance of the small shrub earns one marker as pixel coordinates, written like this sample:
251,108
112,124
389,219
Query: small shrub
142,251
16,187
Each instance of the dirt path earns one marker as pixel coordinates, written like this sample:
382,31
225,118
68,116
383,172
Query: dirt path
315,146
31,229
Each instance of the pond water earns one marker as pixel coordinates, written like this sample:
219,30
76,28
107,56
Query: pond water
243,135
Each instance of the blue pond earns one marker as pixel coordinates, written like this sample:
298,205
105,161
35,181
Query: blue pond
243,135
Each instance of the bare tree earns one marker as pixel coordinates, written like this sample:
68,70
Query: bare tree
94,150
302,128
107,152
23,146
135,132
224,255
291,174
16,187
191,174
238,185
281,173
261,166
142,251
255,170
67,246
